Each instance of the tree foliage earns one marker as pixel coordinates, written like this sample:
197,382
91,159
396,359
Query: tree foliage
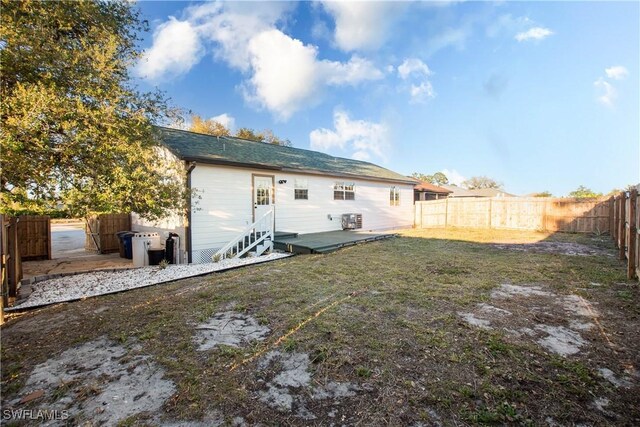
212,127
480,182
208,126
74,131
437,178
583,192
266,136
543,194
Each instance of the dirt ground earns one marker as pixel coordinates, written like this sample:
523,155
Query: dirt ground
435,327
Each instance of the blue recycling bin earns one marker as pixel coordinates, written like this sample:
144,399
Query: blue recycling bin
125,244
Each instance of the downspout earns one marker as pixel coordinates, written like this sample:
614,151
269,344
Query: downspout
190,167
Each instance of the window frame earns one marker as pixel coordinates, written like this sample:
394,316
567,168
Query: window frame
301,187
341,188
394,196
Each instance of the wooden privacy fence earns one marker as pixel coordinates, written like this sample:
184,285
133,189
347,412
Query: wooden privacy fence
10,262
517,213
625,233
34,237
101,232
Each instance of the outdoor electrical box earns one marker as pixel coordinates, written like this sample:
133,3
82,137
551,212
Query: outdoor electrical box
351,221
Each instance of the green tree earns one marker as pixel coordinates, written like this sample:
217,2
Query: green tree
266,136
208,126
440,179
480,182
74,131
437,178
583,192
543,194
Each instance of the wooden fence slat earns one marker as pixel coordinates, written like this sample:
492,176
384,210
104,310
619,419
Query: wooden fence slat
14,266
621,226
34,236
101,232
519,213
632,236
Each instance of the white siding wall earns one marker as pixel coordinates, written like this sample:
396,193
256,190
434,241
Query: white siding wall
172,224
225,205
222,207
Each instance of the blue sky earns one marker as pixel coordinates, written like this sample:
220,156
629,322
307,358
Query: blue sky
541,96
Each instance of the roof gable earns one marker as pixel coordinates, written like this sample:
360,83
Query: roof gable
191,146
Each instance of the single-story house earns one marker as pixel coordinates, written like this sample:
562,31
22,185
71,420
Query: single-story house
239,181
483,192
427,191
491,192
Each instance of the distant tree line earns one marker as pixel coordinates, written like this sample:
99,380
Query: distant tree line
480,182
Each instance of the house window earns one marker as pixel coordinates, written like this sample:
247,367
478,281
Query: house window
262,194
344,191
394,196
301,190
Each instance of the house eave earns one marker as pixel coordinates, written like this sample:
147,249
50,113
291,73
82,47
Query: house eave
217,162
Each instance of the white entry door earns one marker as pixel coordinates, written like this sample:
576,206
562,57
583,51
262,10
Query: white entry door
263,196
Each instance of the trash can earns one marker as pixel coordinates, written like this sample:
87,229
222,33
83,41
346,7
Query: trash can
156,255
171,246
126,242
124,237
119,234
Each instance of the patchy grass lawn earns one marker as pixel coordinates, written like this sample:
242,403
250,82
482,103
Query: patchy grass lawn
448,327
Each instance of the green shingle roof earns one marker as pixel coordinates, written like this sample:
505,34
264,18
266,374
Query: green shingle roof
209,149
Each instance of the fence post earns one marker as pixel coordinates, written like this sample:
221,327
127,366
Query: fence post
631,244
13,266
446,212
622,226
614,224
612,204
3,267
544,214
490,210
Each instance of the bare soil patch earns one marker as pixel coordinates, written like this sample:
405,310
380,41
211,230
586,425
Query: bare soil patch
98,381
229,328
562,248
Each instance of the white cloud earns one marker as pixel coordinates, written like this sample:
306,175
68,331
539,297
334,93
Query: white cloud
422,92
421,88
361,24
617,72
225,120
456,37
355,71
608,93
365,139
282,74
413,66
176,48
287,74
507,24
454,176
232,26
535,33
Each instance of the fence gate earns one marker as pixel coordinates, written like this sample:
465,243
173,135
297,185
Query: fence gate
34,237
101,232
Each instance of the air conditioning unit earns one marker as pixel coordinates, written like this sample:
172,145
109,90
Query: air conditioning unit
351,221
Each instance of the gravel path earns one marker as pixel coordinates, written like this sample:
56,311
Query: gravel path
70,288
